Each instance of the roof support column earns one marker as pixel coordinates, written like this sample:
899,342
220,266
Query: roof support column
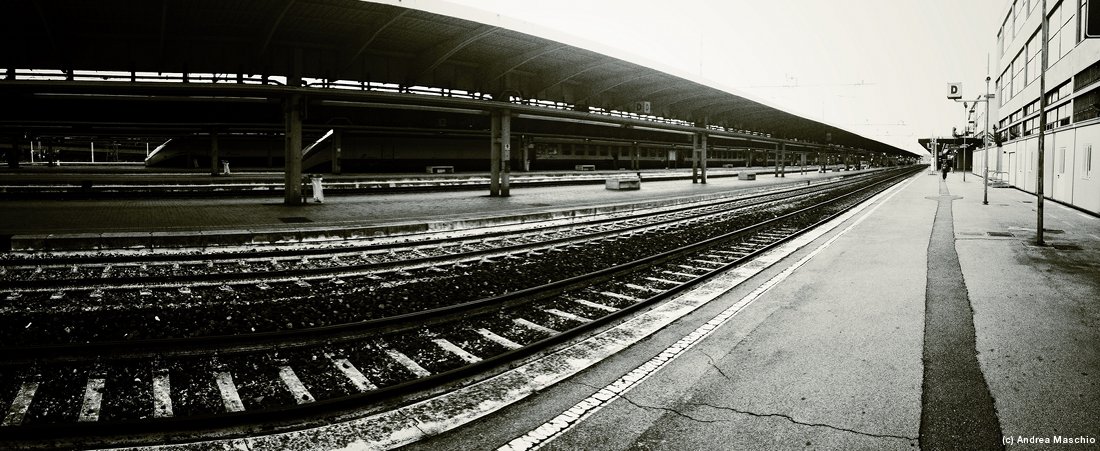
500,131
776,159
214,156
337,150
505,152
703,155
783,158
634,156
15,152
292,161
695,158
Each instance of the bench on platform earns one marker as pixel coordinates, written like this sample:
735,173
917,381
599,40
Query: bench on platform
585,167
439,169
623,183
743,175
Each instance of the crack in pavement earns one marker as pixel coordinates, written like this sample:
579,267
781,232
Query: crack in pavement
745,412
715,365
792,420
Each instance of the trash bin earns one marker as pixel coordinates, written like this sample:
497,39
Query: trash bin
318,190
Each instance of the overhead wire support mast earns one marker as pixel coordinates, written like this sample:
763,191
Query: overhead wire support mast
985,140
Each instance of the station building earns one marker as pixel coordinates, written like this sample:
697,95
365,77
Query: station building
1072,135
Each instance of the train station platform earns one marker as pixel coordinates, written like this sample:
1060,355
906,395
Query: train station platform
922,320
83,224
925,320
87,181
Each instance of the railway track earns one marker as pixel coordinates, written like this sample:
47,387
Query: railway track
97,390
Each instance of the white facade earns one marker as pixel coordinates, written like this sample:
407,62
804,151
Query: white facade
1073,111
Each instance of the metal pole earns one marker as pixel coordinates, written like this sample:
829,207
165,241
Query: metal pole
93,151
1042,126
494,153
695,158
703,158
985,147
505,152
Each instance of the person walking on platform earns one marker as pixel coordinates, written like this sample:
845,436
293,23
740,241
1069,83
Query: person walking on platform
945,168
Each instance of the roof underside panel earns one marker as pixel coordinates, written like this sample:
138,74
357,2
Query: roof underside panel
362,41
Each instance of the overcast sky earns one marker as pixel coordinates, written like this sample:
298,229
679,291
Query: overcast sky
879,68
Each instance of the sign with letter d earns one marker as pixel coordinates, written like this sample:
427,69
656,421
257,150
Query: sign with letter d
954,91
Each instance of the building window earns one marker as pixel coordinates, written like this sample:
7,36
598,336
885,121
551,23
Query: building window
1033,50
1062,36
1061,160
1081,21
1031,108
1017,18
1031,126
1018,73
1086,106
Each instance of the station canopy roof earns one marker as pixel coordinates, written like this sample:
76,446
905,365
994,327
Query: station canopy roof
351,41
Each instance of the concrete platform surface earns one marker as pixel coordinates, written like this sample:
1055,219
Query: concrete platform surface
848,344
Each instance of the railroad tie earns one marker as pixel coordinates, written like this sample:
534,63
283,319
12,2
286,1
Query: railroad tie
596,305
353,374
499,339
567,315
452,348
20,404
93,399
621,296
694,268
228,390
533,326
408,363
162,394
644,288
670,282
707,262
299,390
681,274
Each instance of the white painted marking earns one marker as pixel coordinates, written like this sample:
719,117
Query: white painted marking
353,374
93,399
297,389
533,326
452,348
228,389
162,395
539,436
20,405
567,315
596,305
499,339
408,363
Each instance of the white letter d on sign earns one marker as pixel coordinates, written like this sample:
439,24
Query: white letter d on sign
954,90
